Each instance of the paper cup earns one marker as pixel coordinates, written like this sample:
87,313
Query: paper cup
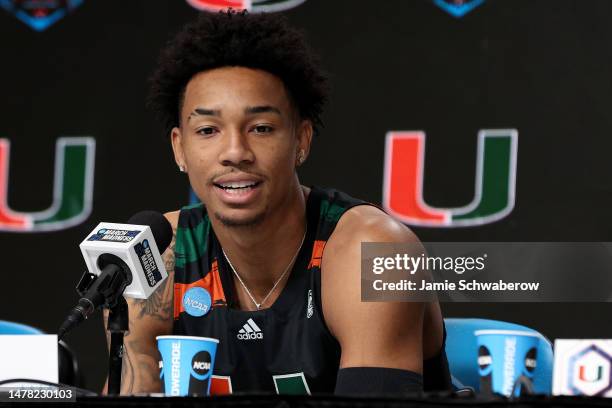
187,364
503,357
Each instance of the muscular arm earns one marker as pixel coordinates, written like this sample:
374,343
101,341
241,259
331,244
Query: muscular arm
371,334
147,319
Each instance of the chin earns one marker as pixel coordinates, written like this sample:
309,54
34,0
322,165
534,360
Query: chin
240,221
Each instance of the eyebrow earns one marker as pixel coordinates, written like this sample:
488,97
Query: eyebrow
261,109
251,110
204,112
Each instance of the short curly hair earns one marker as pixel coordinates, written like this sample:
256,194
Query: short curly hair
229,38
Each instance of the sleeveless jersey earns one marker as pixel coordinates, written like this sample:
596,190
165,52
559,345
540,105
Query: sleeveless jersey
286,348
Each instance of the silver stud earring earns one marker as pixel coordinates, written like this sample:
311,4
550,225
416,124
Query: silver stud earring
181,168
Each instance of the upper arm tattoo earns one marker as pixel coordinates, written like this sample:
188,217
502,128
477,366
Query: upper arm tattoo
159,304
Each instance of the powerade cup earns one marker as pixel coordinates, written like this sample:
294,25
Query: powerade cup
187,364
505,357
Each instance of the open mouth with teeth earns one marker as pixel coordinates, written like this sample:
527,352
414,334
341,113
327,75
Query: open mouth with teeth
237,187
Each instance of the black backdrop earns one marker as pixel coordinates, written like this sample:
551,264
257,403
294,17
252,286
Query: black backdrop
542,67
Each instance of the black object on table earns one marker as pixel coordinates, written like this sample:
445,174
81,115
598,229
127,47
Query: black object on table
118,325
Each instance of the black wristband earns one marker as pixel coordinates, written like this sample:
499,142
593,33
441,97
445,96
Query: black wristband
378,381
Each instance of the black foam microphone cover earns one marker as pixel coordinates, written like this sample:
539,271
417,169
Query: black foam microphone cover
160,227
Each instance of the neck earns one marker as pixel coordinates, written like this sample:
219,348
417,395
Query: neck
260,254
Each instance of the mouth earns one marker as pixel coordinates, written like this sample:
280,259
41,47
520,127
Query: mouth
238,190
237,187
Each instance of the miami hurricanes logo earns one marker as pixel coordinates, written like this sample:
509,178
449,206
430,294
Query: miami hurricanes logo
72,188
589,371
495,180
266,6
594,376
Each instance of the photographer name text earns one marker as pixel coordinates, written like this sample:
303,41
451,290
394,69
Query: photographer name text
462,285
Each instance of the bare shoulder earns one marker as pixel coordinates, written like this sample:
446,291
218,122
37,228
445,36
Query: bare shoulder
172,218
366,223
393,328
168,255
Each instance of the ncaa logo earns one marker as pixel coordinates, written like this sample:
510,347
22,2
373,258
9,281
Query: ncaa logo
197,301
531,362
200,365
485,361
257,6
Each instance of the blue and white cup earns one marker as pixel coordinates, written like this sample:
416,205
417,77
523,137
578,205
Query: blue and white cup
187,364
504,357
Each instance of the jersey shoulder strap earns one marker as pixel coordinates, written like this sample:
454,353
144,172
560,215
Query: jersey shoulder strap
332,205
193,265
192,234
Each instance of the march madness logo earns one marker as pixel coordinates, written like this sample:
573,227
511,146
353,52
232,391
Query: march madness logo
40,14
256,6
495,182
458,8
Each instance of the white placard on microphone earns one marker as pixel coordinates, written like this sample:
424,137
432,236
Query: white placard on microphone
135,245
31,356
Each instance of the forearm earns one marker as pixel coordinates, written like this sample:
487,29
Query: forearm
140,363
140,366
140,371
148,318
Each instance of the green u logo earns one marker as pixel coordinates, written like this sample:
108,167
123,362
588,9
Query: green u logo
494,187
72,188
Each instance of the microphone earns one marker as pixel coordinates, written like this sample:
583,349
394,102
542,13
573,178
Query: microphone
123,259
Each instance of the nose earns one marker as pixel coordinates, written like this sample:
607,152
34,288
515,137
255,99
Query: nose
235,150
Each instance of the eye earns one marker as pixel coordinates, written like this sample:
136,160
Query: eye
207,131
262,129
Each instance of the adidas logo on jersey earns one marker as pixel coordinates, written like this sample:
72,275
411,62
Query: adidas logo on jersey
250,331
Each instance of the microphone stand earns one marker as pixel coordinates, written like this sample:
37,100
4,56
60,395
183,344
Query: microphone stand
118,325
107,290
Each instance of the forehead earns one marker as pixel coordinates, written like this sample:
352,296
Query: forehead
235,87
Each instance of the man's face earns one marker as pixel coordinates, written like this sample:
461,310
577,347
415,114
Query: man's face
238,140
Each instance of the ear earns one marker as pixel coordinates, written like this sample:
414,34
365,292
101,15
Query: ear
176,138
304,134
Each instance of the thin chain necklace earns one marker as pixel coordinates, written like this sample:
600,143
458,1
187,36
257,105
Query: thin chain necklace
258,305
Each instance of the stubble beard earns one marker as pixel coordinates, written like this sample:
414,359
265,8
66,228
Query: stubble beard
253,221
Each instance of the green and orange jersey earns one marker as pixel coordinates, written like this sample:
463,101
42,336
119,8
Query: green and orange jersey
286,348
